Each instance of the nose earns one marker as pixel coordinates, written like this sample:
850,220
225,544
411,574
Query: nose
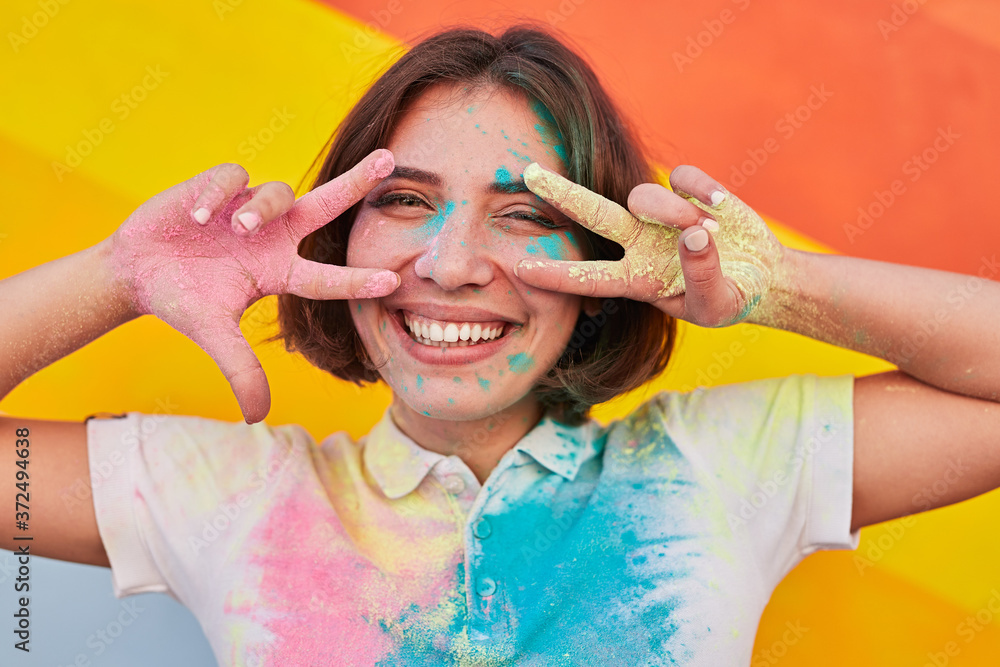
455,255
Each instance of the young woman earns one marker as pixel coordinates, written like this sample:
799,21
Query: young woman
467,243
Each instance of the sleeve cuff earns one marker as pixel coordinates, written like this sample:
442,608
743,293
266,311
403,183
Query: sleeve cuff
831,449
113,446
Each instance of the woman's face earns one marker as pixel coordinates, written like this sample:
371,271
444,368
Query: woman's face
453,220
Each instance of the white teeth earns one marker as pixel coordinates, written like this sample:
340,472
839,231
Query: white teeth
451,334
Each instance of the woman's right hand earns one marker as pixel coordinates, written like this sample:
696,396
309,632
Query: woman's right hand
186,257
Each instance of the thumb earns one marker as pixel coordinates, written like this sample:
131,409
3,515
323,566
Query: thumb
232,353
709,299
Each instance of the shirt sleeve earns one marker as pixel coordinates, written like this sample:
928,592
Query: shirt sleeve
780,453
173,493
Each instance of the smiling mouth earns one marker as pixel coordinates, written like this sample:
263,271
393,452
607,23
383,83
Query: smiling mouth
438,333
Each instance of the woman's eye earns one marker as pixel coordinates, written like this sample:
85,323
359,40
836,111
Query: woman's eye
535,217
398,198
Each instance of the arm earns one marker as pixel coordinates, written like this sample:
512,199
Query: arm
49,312
926,435
199,280
701,255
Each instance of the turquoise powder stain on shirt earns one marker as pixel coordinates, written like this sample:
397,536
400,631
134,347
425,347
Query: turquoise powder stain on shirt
520,362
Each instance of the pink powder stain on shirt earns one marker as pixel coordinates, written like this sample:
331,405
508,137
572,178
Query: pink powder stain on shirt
342,585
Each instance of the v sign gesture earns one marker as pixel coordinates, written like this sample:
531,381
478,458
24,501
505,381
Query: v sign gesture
186,256
671,259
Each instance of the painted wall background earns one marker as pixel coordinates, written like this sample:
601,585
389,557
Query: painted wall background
106,104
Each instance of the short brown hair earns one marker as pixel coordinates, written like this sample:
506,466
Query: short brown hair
627,342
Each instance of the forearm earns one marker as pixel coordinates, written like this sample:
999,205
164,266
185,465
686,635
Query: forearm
56,308
942,328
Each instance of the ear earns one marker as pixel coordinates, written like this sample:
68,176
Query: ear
591,306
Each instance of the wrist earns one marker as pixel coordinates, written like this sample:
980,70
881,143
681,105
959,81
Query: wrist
777,308
120,285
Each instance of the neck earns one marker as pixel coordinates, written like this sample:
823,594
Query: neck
480,443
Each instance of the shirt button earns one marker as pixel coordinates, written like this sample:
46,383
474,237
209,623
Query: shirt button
482,529
454,484
486,587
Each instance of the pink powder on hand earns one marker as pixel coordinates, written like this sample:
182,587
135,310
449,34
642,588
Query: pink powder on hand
381,168
378,284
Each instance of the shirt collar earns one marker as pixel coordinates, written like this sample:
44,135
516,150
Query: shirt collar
398,464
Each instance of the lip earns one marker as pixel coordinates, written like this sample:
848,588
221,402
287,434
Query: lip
448,356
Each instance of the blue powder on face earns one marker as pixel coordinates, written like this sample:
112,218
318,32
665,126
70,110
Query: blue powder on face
505,180
433,226
519,156
520,362
553,246
484,384
549,130
420,384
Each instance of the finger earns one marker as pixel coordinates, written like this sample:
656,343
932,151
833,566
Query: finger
590,209
224,342
319,207
598,278
225,182
653,203
709,299
691,182
313,280
267,202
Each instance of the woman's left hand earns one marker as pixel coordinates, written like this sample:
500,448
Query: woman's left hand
698,254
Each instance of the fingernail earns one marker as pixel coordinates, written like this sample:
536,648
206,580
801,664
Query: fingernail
249,220
718,197
202,215
709,224
697,240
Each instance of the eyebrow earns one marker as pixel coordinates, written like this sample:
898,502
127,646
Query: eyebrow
414,174
508,187
513,186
